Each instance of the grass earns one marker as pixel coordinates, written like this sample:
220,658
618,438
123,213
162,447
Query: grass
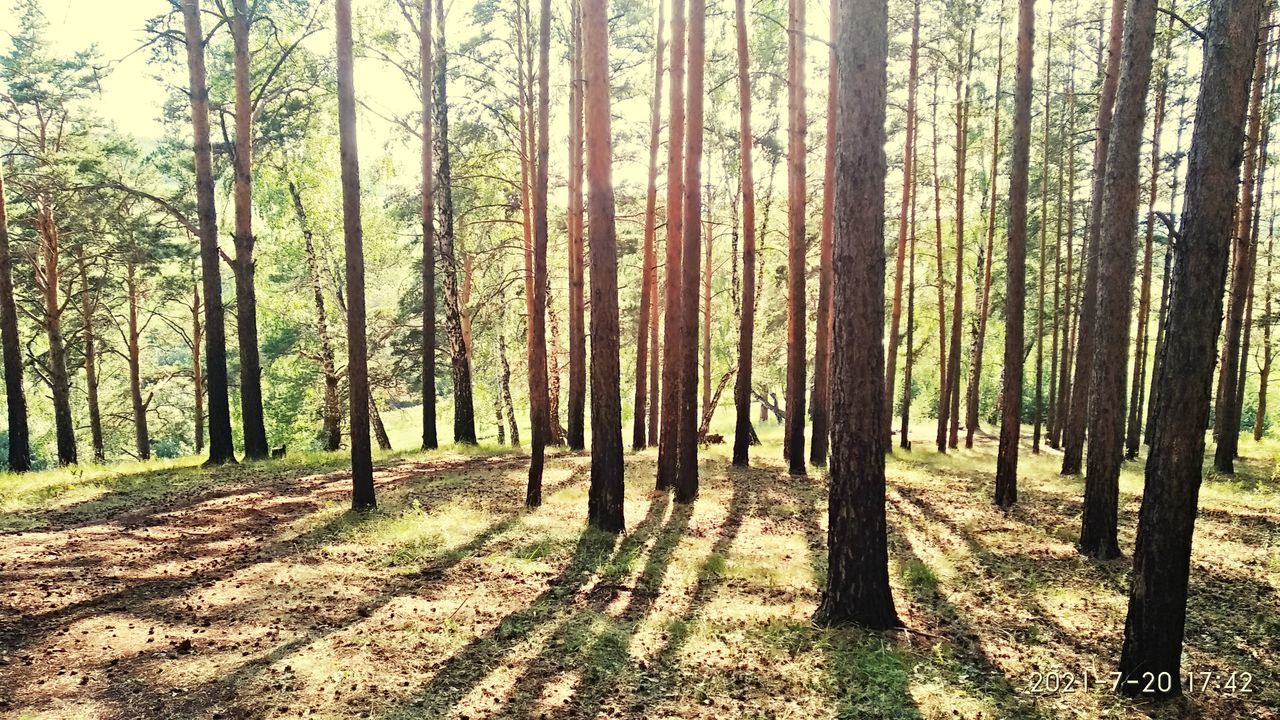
167,590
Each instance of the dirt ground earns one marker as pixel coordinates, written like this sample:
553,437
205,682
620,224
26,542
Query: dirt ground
251,592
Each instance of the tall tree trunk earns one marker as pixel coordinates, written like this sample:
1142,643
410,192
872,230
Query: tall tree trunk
1115,287
1253,271
1078,413
506,390
797,244
957,303
555,431
605,494
379,428
430,438
858,565
464,416
332,412
746,321
908,195
1066,144
141,435
1016,275
979,340
672,341
1227,413
706,308
1042,258
47,281
88,306
19,459
362,493
539,401
577,309
905,431
1069,302
220,445
944,397
197,372
1162,555
1264,372
821,411
1140,345
650,256
655,357
243,267
686,487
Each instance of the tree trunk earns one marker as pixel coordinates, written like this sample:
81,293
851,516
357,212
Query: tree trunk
464,417
379,429
944,398
430,438
957,303
1227,412
244,267
506,390
332,413
141,435
650,256
19,459
1078,413
555,431
220,445
1264,372
797,244
197,373
1063,396
905,440
1162,555
1006,493
747,320
577,309
858,565
47,281
1253,272
605,494
1038,410
821,410
686,486
362,494
706,306
655,355
979,339
1115,287
669,438
539,401
1066,155
87,309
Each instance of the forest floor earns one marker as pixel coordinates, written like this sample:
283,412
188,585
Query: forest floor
251,592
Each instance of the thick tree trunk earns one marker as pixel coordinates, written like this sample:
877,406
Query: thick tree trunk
577,309
430,438
1162,555
1078,412
672,341
141,435
747,319
88,306
605,494
220,445
858,589
821,410
686,485
244,267
19,459
1115,287
464,416
979,339
1227,412
650,257
908,195
1006,493
539,401
797,243
332,412
47,281
362,494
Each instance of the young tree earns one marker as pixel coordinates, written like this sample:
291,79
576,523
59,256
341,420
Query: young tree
331,413
797,120
1162,555
430,439
1078,412
908,195
362,493
15,397
648,283
1115,287
539,402
672,340
746,321
605,495
858,565
215,360
1016,274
